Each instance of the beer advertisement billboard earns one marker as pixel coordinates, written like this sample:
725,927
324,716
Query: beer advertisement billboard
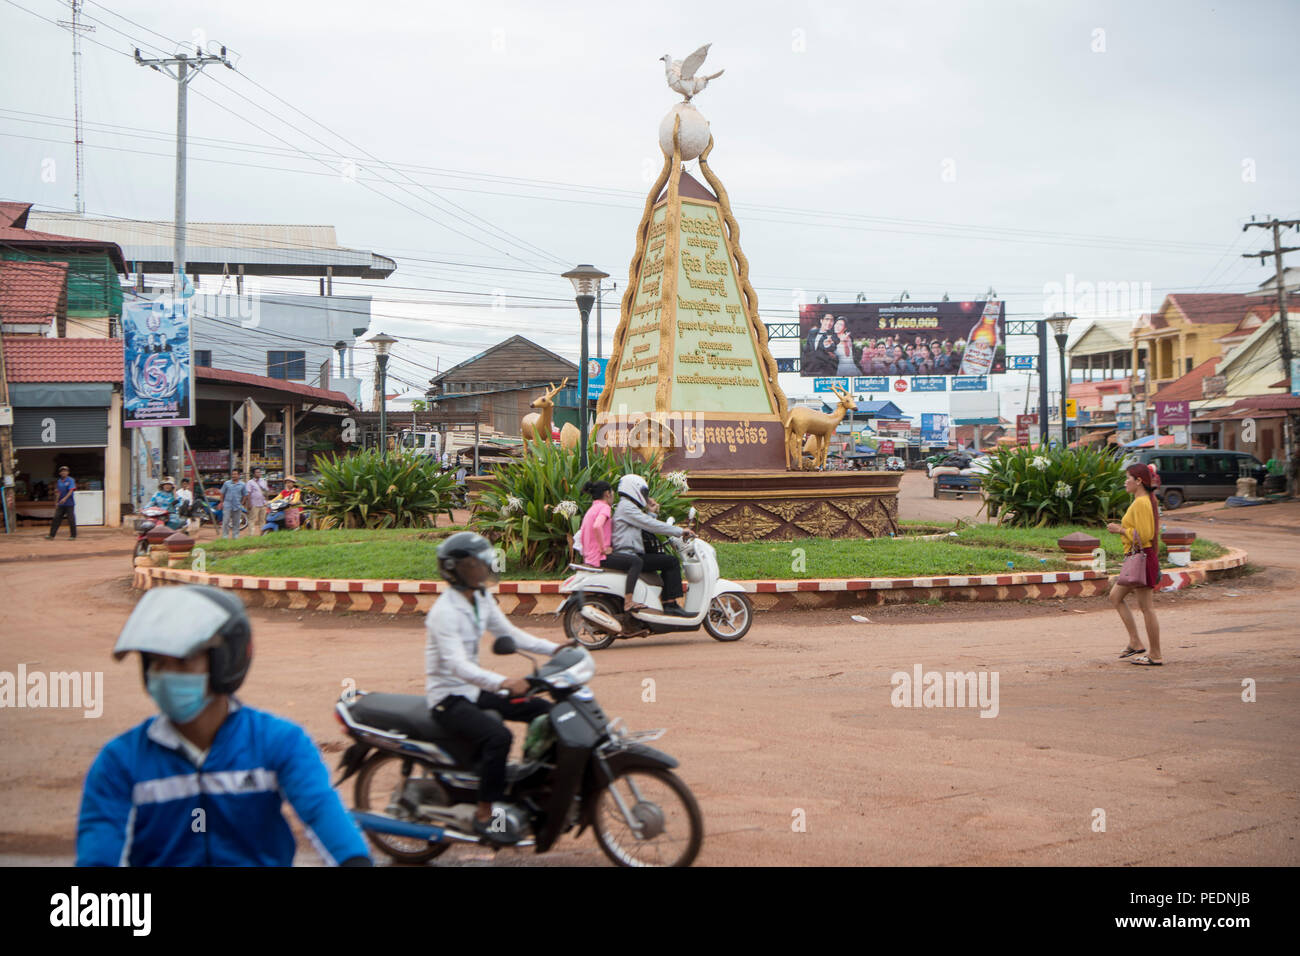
903,338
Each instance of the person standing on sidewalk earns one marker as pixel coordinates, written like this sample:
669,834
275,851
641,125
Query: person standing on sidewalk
1142,520
233,495
257,492
64,503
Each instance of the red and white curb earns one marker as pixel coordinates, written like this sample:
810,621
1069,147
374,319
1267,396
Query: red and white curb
543,597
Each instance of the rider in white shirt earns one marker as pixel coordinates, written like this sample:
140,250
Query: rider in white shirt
458,690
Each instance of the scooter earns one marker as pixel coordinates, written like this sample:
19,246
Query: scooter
593,611
415,792
150,517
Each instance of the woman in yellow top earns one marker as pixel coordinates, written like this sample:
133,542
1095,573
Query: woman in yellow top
1142,518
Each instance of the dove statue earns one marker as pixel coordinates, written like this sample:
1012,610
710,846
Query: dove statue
681,73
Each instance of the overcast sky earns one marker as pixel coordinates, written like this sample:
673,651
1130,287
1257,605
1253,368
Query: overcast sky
874,148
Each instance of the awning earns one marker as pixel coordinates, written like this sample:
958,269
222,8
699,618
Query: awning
1148,441
60,394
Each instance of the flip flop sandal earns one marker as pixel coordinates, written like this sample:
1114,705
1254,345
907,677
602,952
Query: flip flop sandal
1146,662
1129,652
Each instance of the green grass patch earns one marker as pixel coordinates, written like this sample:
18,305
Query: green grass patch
1044,540
306,539
409,554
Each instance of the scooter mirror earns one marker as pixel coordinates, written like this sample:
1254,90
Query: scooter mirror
503,645
671,521
690,515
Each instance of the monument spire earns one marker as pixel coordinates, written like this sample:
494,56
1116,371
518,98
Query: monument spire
690,378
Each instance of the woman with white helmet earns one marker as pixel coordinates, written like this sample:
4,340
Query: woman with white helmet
635,514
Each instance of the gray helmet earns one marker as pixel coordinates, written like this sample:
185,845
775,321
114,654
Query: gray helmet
463,546
177,621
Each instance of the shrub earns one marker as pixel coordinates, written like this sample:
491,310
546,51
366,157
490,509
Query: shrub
366,490
1029,486
535,504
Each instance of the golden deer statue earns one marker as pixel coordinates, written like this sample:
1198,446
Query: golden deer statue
536,426
817,426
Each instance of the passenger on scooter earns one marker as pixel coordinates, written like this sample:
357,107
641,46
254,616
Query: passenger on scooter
630,520
458,690
595,541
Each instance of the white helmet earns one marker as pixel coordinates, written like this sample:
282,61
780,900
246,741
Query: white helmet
634,487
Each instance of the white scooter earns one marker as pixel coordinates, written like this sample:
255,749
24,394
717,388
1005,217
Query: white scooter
593,611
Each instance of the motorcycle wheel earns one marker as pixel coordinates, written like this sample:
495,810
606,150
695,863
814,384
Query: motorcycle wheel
379,784
578,628
729,618
141,548
664,807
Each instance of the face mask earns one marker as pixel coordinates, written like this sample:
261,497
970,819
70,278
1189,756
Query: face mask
181,697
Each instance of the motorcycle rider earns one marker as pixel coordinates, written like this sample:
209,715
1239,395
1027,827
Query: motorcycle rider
630,520
166,497
288,501
458,690
202,783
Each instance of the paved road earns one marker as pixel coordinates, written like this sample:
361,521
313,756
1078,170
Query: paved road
795,722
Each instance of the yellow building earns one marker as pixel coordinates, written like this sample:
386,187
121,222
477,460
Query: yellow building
1184,332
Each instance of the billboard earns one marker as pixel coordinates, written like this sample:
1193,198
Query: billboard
903,338
159,385
934,429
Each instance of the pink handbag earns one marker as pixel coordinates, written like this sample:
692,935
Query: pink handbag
1133,572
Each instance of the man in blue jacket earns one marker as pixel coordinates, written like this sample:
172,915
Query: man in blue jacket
202,783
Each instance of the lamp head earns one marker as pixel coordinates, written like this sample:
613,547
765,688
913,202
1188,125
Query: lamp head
586,279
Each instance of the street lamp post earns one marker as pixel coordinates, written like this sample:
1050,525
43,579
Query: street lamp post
1061,327
586,281
383,344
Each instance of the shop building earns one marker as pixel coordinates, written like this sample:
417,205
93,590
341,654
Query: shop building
503,381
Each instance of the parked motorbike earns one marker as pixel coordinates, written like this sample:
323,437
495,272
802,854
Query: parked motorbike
150,517
415,792
593,611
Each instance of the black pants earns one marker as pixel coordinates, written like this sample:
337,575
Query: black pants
490,738
628,561
666,565
59,512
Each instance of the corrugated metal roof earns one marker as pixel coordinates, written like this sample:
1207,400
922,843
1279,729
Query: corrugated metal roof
212,247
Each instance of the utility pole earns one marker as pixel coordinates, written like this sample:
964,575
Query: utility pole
76,27
1288,435
599,339
182,68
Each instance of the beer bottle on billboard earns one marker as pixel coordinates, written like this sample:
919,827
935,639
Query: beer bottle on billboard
982,342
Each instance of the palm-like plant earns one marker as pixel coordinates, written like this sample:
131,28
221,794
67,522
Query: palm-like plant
1032,486
536,504
368,490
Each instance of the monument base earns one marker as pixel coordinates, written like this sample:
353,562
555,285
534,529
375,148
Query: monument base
781,505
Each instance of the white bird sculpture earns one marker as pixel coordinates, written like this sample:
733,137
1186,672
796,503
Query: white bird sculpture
681,73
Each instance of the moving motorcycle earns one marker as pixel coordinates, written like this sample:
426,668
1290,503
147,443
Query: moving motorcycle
593,611
415,793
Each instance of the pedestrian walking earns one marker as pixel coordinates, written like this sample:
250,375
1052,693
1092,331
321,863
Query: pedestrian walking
1141,529
64,503
234,492
257,494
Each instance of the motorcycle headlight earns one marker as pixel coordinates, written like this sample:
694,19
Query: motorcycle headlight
576,675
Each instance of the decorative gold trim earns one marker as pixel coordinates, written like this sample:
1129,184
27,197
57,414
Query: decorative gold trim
775,395
633,283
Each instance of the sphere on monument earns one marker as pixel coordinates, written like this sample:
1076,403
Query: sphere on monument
693,135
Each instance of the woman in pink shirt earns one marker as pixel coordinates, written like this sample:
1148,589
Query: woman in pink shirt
595,539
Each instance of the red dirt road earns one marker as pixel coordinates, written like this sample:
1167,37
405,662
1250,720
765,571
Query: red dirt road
795,722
